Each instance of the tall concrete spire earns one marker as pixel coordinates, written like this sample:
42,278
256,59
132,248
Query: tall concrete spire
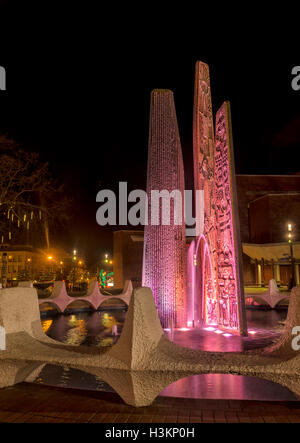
164,264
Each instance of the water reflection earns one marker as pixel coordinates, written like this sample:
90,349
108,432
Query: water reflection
227,386
86,328
46,325
104,327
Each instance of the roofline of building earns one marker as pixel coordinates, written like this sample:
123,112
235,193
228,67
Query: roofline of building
270,244
268,175
273,194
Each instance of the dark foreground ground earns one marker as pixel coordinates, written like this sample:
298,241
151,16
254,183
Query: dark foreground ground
29,403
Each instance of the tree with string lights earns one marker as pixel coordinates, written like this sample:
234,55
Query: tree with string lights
30,199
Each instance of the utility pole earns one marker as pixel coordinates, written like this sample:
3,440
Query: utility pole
4,269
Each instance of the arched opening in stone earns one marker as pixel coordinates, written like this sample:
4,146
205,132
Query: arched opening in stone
80,305
112,303
49,308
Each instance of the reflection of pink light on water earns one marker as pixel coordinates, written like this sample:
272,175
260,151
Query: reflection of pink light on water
227,335
209,329
183,329
167,329
252,332
217,331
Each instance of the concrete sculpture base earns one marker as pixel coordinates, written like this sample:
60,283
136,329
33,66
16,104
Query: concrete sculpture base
272,297
61,300
143,362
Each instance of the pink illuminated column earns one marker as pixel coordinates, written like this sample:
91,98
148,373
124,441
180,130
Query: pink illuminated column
164,263
229,257
218,286
203,152
190,282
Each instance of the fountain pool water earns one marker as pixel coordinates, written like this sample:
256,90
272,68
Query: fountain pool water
98,329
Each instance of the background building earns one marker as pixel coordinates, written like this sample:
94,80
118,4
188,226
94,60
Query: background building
24,262
128,257
266,203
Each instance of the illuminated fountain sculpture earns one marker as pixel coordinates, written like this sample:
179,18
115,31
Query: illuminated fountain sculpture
211,289
164,267
215,286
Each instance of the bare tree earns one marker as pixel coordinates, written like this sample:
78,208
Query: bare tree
29,197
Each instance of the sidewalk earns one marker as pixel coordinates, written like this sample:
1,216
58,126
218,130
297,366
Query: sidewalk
31,403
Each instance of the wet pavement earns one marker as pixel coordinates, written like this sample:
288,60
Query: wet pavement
28,403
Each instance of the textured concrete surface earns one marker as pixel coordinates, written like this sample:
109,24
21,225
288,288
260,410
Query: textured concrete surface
143,362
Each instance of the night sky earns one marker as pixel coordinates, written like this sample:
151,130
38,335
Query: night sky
78,92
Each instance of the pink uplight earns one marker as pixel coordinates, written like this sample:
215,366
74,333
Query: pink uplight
209,329
217,331
227,335
183,329
252,332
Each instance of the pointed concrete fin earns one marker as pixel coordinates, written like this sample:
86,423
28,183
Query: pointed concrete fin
94,288
58,287
273,288
128,288
284,344
142,331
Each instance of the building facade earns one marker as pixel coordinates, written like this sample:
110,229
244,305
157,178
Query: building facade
266,205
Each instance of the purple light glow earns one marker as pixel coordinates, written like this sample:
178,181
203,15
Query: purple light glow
201,285
164,263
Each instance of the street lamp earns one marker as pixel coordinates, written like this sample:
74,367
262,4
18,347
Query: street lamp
74,268
292,283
